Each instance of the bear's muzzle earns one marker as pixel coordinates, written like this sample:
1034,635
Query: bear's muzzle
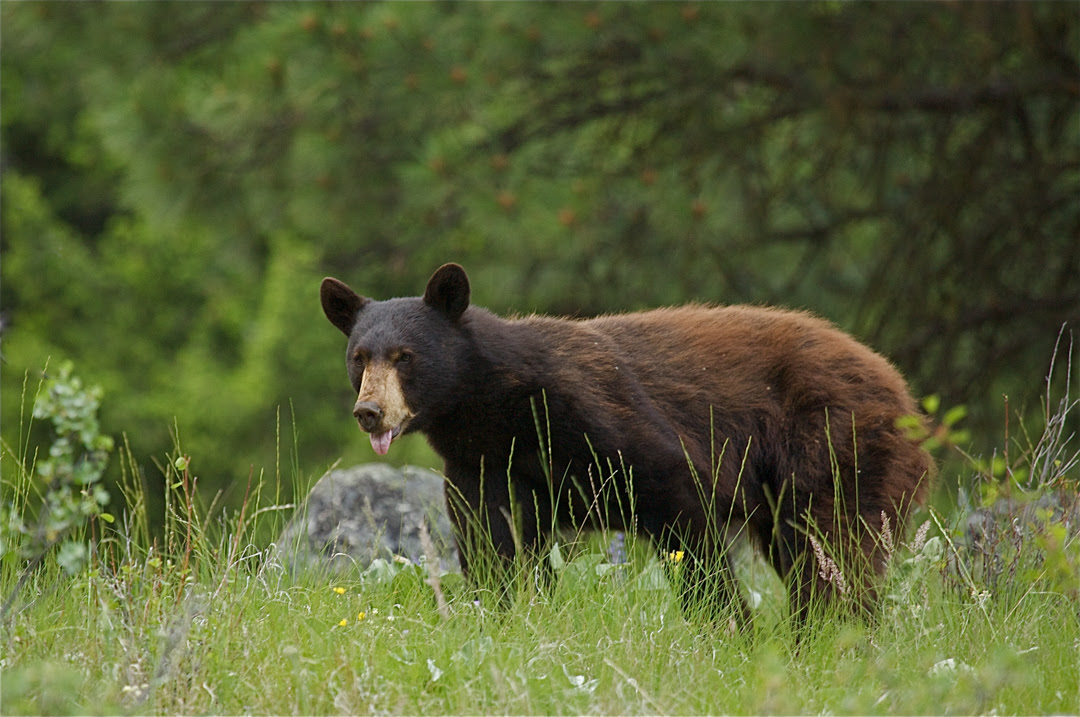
368,414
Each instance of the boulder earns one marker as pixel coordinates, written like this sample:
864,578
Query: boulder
354,515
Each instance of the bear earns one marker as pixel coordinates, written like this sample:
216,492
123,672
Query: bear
690,425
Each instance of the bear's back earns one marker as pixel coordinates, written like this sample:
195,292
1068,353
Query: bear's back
751,356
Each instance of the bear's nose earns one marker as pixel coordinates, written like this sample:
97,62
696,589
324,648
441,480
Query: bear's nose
368,414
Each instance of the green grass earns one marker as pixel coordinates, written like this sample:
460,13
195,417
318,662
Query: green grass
208,621
231,631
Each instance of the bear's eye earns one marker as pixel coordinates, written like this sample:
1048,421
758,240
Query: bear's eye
358,359
405,357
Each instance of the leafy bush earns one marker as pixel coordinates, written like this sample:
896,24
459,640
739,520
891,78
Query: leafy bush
68,478
1018,526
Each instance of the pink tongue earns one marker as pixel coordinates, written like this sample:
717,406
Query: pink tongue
381,442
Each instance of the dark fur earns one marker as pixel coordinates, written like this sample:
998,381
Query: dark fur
802,414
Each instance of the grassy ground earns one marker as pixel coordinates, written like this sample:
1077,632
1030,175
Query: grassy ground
207,621
232,631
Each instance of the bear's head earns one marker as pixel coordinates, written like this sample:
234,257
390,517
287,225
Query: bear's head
404,355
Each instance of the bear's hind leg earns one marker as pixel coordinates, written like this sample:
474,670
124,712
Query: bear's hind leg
835,568
814,579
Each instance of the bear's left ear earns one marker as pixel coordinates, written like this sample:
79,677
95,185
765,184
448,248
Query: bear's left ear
448,291
340,304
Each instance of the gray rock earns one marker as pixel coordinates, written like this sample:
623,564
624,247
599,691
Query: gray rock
992,540
355,515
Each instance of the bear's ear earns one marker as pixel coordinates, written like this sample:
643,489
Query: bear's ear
448,291
340,304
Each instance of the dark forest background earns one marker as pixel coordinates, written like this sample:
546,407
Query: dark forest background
178,177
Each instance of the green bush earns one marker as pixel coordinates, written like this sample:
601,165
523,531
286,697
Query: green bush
67,481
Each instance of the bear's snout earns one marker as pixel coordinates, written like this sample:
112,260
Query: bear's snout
368,414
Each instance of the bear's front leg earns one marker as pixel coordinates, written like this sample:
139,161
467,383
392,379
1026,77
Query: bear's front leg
493,527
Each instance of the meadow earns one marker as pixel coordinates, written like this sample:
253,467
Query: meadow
104,615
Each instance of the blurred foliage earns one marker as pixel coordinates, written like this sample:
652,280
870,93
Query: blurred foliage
68,477
1018,522
177,177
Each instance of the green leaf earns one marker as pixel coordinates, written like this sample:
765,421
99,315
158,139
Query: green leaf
652,578
954,415
72,556
556,557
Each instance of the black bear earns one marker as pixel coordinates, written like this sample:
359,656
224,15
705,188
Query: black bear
688,424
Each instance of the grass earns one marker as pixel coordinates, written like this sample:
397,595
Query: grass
250,638
233,632
206,621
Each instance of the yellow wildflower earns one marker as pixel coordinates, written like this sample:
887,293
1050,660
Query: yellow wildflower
343,622
361,615
339,591
676,556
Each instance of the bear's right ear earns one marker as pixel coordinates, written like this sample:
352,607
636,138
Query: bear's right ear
340,304
448,291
